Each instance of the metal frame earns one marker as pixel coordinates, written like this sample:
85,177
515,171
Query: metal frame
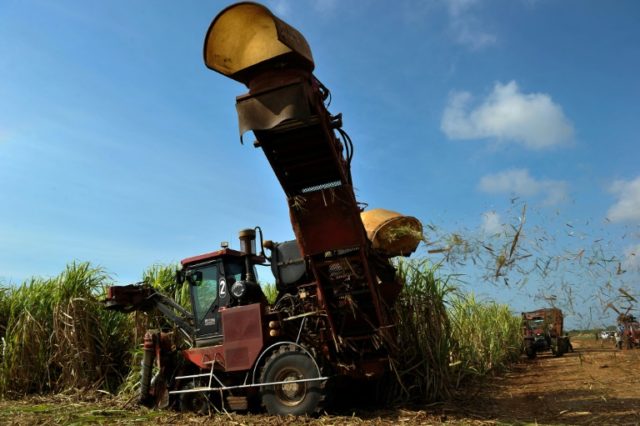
253,383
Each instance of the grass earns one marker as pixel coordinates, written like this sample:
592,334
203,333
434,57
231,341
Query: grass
74,410
447,338
270,291
488,337
424,334
86,410
58,336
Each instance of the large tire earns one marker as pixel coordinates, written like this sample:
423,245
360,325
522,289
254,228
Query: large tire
194,402
290,363
531,353
563,346
160,392
529,350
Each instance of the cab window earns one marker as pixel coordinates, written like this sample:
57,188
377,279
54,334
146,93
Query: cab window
234,272
206,291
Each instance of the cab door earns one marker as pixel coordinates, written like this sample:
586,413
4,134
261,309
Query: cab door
208,291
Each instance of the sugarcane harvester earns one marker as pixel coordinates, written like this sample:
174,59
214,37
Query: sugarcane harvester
333,315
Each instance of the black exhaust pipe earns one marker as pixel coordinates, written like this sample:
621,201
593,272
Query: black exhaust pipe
248,247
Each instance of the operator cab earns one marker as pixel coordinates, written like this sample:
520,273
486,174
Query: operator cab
536,325
217,281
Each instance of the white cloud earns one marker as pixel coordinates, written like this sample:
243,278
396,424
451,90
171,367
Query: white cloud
631,260
530,3
627,208
325,6
508,115
520,182
459,7
466,27
491,223
281,8
517,181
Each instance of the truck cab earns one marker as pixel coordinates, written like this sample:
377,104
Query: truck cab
543,331
217,281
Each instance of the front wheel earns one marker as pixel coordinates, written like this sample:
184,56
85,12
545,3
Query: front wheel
289,364
194,402
529,350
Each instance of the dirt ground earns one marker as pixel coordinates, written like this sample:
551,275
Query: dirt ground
596,384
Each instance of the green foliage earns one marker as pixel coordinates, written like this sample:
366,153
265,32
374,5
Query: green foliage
447,337
270,291
163,279
56,334
424,332
488,337
5,304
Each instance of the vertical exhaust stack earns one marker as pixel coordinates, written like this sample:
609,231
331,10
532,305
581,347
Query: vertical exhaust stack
248,241
248,247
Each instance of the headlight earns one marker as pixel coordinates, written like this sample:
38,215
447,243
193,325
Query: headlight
238,289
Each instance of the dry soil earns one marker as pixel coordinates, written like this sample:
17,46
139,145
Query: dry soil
595,384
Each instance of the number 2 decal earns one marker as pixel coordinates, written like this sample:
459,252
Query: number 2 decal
223,288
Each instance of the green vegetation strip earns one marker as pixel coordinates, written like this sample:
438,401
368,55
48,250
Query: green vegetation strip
21,413
58,337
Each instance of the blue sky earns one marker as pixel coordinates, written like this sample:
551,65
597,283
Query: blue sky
119,147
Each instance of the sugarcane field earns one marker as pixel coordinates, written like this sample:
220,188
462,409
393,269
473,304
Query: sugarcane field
319,213
596,388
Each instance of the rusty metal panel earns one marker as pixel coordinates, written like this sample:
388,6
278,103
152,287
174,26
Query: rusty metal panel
202,357
268,109
243,336
552,317
325,220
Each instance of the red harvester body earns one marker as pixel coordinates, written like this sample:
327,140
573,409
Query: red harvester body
333,316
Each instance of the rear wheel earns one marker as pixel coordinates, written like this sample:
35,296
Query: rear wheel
563,346
289,364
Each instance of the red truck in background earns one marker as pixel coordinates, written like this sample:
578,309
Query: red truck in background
543,331
628,333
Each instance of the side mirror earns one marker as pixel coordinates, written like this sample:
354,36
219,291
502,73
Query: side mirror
194,277
180,276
